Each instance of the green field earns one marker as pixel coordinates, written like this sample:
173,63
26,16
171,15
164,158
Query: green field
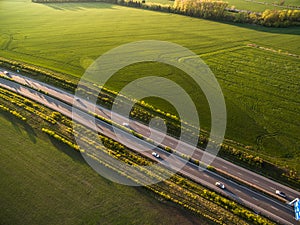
45,183
261,87
254,5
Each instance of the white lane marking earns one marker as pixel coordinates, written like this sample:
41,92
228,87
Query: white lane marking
274,208
239,173
255,198
238,190
205,175
225,167
255,180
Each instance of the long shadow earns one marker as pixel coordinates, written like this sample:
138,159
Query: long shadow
30,132
74,155
34,92
76,6
32,135
295,30
80,103
18,125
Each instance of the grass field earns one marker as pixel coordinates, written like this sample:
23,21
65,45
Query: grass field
45,184
261,87
254,5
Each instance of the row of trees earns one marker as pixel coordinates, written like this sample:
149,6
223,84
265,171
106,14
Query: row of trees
12,112
270,18
238,155
280,17
58,137
219,10
201,8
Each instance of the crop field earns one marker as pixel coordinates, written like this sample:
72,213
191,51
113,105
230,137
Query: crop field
45,184
264,92
260,84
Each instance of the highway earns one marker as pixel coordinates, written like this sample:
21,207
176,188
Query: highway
62,102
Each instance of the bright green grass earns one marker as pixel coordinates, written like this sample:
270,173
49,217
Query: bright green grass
43,184
260,87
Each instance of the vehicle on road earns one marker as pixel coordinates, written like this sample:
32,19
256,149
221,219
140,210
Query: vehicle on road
6,73
280,193
126,125
220,185
156,155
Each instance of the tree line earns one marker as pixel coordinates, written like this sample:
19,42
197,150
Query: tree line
201,8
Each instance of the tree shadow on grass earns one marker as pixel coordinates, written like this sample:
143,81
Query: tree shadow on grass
19,125
73,154
30,132
294,30
73,6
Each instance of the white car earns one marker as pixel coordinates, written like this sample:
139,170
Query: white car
280,193
126,125
155,155
6,73
220,185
